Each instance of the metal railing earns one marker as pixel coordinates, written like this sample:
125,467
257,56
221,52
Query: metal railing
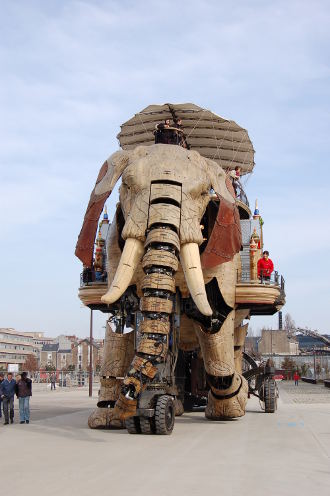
90,277
275,279
240,194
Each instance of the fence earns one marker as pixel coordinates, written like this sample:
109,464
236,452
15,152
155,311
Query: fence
312,366
275,279
64,378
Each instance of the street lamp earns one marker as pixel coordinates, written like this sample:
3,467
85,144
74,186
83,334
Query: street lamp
91,354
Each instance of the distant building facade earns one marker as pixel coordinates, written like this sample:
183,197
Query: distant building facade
53,356
81,354
15,347
308,342
61,353
277,342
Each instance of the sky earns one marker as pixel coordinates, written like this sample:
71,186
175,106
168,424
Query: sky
73,71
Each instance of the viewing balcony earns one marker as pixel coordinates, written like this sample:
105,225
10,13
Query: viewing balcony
262,296
91,289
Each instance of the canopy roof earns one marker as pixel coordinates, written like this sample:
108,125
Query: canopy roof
213,137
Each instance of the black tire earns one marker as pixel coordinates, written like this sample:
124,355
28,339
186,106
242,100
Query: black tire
133,425
146,425
269,396
164,415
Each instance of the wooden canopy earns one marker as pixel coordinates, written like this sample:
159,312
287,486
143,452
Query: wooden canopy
213,137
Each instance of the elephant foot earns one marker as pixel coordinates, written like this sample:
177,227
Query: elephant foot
101,419
179,410
123,409
230,403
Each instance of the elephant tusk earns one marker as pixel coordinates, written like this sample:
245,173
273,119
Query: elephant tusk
191,264
130,258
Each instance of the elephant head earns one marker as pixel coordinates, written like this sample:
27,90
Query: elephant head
161,185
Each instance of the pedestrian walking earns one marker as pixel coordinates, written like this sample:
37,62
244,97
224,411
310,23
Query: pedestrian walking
296,378
7,393
23,393
52,382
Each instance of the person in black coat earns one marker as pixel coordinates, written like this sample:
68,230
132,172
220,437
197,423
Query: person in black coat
23,392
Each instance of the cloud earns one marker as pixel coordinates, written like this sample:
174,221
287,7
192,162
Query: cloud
73,71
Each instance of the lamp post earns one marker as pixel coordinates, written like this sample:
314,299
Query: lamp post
91,354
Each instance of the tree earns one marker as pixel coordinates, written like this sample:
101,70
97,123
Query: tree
30,364
289,323
50,368
289,366
304,369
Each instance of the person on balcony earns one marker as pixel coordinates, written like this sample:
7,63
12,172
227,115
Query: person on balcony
180,135
265,267
168,134
235,179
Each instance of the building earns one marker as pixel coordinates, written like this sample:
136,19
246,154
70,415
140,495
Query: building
277,342
81,354
251,345
48,355
56,357
15,347
309,342
39,337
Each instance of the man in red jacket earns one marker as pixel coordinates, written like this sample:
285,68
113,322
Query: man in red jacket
265,267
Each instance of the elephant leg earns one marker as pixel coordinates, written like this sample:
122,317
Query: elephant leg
228,389
159,263
239,340
118,353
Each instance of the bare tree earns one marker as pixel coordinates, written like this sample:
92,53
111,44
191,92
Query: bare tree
30,364
289,323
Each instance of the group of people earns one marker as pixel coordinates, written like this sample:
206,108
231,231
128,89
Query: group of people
170,133
22,388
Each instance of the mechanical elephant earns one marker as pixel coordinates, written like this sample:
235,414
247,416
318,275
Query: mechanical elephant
173,248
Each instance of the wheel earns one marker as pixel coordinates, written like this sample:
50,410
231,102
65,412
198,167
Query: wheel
133,425
164,415
146,425
269,396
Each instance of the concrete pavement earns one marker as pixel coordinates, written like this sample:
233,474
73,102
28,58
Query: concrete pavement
278,454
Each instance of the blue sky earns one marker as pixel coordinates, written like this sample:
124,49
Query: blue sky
73,71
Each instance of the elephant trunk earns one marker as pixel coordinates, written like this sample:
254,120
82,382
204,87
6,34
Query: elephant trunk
159,263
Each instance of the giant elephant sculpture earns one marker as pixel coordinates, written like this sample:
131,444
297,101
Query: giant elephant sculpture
176,232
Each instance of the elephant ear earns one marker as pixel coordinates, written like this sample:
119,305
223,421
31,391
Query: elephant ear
109,174
225,239
221,183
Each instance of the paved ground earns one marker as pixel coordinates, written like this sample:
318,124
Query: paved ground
280,454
